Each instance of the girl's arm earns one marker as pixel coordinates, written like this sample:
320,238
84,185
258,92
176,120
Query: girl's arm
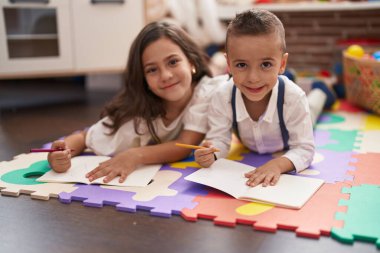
126,162
168,152
76,142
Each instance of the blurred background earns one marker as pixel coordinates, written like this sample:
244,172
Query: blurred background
57,51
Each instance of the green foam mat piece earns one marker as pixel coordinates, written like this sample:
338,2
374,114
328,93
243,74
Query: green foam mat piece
362,219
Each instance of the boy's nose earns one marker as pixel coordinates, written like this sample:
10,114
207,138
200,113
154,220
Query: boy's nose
253,76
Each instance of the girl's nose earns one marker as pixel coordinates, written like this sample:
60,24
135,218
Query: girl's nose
166,74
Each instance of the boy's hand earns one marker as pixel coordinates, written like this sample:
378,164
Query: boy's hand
269,173
205,156
60,161
121,165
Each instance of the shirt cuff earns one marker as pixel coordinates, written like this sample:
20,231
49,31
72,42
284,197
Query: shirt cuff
298,164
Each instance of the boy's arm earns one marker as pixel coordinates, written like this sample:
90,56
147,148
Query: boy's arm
301,138
301,143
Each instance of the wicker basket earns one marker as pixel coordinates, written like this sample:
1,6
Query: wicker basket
362,82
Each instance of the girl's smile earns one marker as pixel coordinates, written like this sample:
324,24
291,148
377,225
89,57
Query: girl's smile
170,86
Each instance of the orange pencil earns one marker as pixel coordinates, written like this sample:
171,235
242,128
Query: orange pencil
193,146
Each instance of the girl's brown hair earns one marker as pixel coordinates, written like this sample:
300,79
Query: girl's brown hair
135,101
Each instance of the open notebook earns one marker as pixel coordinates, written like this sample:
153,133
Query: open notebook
228,176
80,165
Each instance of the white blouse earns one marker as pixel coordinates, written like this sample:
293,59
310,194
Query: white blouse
264,135
193,118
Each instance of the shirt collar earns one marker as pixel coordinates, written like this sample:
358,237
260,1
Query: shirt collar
241,110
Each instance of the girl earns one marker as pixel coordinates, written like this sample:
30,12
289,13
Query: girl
164,100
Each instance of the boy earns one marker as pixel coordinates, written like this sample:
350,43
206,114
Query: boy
267,112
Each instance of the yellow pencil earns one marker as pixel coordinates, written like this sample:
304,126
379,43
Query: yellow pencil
193,146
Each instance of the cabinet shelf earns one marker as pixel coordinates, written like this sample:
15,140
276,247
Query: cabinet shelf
32,37
227,12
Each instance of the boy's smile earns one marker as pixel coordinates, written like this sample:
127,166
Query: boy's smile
255,61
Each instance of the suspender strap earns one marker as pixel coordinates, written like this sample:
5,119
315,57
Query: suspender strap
280,109
234,121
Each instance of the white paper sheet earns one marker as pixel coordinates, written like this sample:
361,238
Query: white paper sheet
81,165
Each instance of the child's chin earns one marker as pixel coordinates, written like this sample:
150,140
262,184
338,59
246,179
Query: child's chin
254,97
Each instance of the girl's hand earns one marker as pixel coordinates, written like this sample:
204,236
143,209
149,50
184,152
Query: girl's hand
205,156
60,161
121,165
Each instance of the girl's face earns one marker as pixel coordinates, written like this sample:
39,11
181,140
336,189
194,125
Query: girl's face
167,71
255,63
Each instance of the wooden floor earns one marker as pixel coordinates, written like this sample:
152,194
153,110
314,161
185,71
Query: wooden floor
48,226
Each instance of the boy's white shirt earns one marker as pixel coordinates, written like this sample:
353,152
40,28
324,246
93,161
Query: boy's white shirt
264,135
193,118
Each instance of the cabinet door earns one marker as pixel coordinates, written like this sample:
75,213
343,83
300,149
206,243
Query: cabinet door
104,31
35,37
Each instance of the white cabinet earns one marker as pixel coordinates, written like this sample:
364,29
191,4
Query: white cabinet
66,37
35,37
103,32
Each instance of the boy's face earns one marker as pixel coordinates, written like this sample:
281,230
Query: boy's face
255,63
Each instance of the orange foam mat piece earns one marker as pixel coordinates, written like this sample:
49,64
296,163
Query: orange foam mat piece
367,169
314,219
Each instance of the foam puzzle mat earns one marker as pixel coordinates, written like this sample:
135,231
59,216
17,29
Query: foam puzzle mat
346,206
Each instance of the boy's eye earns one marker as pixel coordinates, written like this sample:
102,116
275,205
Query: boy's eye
266,65
241,65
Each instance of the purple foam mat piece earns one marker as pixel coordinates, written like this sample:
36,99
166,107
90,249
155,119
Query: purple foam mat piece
323,138
255,159
324,118
47,145
334,166
164,206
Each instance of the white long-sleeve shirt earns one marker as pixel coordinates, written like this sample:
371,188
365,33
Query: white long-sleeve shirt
193,118
264,135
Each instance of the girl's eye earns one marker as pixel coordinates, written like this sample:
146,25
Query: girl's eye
150,70
173,62
266,65
241,65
